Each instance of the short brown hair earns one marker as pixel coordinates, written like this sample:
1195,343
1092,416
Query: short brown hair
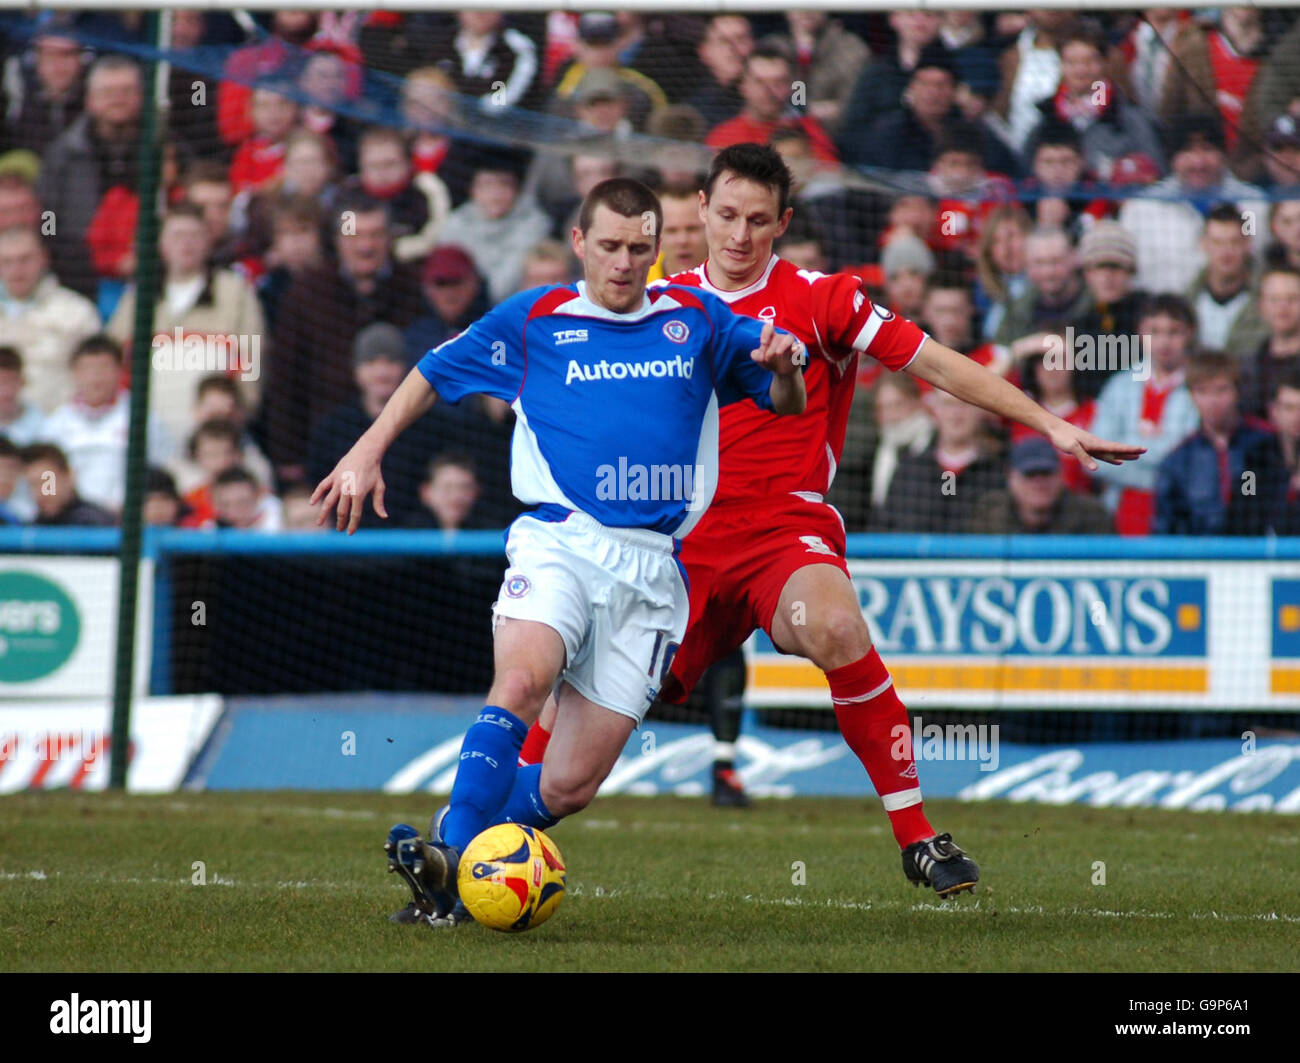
222,383
1209,365
100,343
217,428
205,172
47,454
622,195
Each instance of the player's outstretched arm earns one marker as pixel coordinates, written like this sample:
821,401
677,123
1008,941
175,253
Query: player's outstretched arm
971,382
785,356
357,474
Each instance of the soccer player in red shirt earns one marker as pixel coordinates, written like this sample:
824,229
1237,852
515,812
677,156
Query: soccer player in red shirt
769,552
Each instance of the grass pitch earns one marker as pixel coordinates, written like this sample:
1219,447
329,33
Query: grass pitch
297,882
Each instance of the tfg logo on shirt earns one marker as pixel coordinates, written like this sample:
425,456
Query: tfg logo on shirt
570,335
604,370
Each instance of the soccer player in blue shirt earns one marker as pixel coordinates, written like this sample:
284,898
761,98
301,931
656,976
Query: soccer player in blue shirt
616,394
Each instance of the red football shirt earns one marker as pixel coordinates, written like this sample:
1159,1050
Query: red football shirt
761,454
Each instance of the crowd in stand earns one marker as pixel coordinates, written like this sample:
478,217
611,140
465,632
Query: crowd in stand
1106,212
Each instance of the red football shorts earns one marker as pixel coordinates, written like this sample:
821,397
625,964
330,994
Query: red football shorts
738,560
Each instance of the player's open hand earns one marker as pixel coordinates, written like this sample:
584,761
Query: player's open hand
1090,449
780,352
354,477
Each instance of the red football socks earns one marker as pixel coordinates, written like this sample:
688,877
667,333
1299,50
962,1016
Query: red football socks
876,727
534,748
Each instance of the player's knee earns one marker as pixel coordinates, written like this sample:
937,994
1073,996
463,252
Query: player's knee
839,637
564,795
520,690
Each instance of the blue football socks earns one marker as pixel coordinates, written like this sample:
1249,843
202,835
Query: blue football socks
525,804
488,762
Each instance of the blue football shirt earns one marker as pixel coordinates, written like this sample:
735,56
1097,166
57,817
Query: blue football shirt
616,414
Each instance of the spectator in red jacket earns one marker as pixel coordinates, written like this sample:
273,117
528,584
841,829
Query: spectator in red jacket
275,56
766,88
260,158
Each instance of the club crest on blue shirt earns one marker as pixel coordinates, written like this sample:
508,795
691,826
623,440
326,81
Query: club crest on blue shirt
517,586
676,331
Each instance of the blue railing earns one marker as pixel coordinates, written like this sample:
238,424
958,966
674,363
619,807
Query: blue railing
161,544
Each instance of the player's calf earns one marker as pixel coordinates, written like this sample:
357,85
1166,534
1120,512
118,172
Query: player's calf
565,793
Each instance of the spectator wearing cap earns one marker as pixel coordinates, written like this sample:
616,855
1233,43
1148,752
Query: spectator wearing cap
1212,69
1109,126
499,223
52,484
878,90
1282,159
380,361
1153,409
319,316
1276,88
454,298
489,61
909,137
766,89
1201,486
42,320
1109,259
727,42
907,264
828,60
1279,352
1224,294
1167,219
598,49
1035,500
1055,291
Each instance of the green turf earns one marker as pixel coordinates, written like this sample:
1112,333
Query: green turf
296,882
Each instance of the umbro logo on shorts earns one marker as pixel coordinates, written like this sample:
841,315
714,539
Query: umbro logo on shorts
517,586
815,545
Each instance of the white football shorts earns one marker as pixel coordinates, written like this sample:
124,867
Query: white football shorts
616,596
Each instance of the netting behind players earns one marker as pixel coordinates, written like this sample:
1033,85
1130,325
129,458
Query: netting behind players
346,190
